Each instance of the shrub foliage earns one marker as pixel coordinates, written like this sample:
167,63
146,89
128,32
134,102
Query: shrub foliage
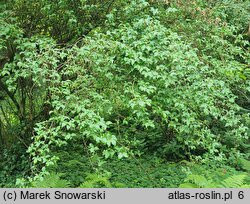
122,79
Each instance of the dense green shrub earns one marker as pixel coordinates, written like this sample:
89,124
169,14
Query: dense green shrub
63,20
121,79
